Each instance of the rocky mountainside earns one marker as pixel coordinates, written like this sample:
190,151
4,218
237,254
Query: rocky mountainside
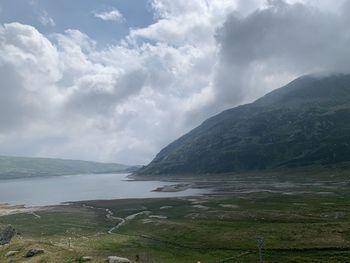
306,122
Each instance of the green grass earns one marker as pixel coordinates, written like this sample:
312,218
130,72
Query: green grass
306,226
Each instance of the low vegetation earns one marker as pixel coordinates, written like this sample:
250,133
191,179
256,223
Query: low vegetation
24,167
298,221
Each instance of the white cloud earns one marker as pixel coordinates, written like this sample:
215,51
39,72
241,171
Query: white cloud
110,15
46,20
115,104
64,97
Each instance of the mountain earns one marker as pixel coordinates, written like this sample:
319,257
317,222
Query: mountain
19,167
306,122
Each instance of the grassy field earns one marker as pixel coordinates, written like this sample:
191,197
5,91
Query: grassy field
299,221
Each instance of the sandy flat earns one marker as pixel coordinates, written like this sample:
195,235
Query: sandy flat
6,209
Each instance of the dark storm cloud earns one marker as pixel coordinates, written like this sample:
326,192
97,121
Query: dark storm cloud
282,41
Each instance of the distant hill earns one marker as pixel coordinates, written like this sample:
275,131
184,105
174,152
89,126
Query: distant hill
18,167
306,122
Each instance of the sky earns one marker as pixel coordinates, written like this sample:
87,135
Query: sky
117,80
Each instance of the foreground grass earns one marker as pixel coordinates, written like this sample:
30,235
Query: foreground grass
299,223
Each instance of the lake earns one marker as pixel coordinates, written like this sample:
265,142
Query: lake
54,190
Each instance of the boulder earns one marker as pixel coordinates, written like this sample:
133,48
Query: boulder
87,258
115,259
11,253
7,234
33,252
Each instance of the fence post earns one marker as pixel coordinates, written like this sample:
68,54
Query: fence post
260,247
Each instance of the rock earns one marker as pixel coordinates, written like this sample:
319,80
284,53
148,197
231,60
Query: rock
158,217
147,221
115,259
201,207
33,252
87,258
165,207
7,234
229,206
11,253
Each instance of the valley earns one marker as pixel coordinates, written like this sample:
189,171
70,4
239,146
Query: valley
160,131
298,218
266,181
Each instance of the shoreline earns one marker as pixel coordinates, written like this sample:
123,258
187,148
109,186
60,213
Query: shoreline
173,188
8,209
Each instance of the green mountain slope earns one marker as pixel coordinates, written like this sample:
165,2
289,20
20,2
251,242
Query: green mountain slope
306,122
18,167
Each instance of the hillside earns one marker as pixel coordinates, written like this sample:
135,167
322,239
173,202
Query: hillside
18,167
306,122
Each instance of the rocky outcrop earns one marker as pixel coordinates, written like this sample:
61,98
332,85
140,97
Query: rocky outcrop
7,234
87,259
11,253
33,252
115,259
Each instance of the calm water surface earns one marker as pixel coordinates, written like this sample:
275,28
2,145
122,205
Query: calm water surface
55,190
